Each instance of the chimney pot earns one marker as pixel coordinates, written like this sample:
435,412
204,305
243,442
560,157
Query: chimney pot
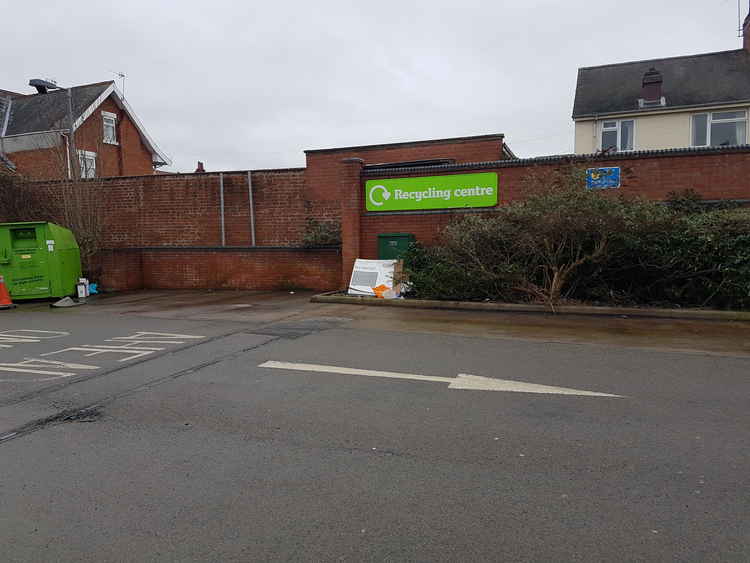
200,168
651,86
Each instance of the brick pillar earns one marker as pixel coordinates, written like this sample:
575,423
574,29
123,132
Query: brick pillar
350,193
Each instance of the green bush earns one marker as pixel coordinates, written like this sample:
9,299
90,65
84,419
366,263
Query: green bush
321,233
567,243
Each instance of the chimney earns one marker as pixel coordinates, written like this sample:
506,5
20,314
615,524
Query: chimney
200,168
746,33
651,94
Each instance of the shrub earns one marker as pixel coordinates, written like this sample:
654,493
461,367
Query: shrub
321,233
689,202
567,243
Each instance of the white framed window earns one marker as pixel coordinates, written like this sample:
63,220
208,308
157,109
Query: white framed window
719,128
109,124
87,161
617,135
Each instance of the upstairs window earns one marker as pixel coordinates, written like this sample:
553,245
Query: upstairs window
617,135
87,160
719,129
109,122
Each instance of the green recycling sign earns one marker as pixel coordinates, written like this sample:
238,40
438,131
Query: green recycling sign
432,192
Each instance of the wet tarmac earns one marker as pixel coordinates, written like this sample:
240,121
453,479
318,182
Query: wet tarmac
722,337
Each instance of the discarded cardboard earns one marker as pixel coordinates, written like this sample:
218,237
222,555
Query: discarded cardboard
375,278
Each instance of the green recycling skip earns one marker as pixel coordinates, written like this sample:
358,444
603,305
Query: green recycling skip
432,192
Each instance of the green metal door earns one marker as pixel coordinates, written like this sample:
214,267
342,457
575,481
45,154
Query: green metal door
28,271
392,245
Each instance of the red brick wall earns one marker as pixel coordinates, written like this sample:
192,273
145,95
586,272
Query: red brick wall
321,175
426,229
182,210
119,270
258,269
712,175
41,164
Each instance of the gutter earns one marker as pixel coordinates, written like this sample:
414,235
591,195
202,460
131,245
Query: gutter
553,159
35,133
661,110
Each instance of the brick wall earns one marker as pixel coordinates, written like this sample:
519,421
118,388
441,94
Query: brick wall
41,164
714,174
185,209
220,268
321,175
155,224
164,231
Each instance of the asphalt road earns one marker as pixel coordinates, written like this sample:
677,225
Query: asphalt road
195,453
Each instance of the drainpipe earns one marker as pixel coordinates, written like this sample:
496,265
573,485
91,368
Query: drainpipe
596,130
252,207
67,153
221,207
72,142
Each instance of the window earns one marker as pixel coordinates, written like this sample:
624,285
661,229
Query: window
87,161
719,129
618,135
109,122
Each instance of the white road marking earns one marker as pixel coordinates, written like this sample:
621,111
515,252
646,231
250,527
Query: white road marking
354,371
476,382
18,340
127,346
28,336
168,337
36,334
133,353
134,346
29,365
463,381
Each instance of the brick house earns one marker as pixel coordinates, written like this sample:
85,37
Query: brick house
109,139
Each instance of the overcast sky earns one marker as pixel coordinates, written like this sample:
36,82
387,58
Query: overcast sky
249,84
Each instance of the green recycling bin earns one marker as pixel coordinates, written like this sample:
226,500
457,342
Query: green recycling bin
39,260
392,245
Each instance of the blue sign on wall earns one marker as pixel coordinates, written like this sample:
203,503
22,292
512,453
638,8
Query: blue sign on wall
602,178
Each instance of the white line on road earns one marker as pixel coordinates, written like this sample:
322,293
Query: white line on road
462,381
353,371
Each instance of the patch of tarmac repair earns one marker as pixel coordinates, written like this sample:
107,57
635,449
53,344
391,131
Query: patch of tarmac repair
86,414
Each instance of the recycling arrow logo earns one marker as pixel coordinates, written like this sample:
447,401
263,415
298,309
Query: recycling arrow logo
384,194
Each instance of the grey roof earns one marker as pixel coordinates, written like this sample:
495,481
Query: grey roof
694,80
46,112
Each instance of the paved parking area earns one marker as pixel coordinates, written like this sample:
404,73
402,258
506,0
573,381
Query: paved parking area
236,426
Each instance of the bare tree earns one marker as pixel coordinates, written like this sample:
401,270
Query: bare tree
69,197
20,200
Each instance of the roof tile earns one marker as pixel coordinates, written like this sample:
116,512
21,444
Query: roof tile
695,80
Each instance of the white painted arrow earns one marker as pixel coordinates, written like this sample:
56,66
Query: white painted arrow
463,381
